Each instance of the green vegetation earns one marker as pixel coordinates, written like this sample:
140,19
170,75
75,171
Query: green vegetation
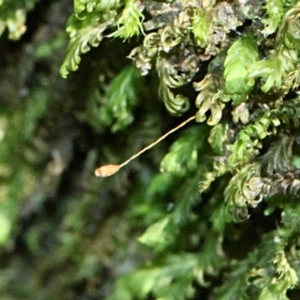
210,213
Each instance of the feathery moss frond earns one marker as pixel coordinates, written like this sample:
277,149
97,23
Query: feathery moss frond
83,35
130,22
240,56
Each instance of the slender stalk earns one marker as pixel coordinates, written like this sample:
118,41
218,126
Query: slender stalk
108,170
156,142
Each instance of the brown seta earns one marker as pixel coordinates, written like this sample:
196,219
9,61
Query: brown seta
108,170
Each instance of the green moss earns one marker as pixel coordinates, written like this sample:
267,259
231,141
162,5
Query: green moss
210,213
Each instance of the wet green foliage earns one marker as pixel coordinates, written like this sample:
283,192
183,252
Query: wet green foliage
211,213
241,55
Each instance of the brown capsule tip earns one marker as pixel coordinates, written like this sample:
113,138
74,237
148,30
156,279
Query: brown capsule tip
107,170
